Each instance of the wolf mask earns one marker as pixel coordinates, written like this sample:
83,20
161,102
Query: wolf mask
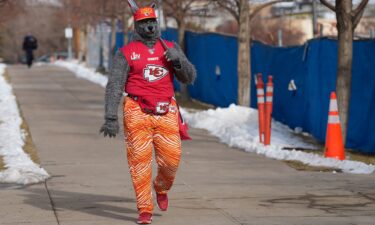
145,21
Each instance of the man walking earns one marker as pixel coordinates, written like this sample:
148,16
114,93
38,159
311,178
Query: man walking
30,44
145,69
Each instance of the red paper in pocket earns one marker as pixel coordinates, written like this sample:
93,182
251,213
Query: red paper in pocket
183,127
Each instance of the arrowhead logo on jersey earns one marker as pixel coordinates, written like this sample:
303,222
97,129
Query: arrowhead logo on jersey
153,72
162,107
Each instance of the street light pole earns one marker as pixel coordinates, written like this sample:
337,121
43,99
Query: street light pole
69,33
69,36
70,55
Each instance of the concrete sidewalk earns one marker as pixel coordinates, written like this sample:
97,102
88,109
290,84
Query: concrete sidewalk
215,184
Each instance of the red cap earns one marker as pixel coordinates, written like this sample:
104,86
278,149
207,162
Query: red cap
145,13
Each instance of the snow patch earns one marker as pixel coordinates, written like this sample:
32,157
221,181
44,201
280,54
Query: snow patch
238,127
20,168
83,72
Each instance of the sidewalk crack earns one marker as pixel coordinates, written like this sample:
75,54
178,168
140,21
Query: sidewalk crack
52,203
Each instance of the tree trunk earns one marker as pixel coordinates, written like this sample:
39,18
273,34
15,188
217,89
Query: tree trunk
345,58
76,42
113,41
84,44
185,96
243,66
113,35
125,27
181,33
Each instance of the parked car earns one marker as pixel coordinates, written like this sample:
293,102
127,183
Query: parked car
52,57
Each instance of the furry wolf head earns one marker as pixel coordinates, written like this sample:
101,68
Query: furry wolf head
145,21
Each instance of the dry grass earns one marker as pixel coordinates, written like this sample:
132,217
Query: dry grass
29,146
349,154
193,104
303,167
6,76
356,156
1,164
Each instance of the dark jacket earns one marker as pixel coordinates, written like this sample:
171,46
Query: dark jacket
30,43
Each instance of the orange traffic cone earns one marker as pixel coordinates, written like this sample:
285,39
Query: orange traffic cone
334,143
261,107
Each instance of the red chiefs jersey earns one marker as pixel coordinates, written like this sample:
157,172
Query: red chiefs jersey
150,73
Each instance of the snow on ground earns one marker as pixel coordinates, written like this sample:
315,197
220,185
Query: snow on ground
238,127
83,72
20,168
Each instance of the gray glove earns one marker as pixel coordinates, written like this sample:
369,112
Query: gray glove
110,128
174,56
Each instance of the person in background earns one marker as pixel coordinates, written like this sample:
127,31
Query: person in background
30,44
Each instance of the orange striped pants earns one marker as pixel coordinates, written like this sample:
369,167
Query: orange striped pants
142,133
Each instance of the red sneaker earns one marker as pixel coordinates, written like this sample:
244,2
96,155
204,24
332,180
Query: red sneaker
162,200
144,218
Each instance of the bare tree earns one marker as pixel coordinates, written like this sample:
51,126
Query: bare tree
80,15
347,20
9,9
267,31
47,29
84,13
126,14
244,11
181,11
116,10
2,2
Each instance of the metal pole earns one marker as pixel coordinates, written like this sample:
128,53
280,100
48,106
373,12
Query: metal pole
70,29
280,37
70,55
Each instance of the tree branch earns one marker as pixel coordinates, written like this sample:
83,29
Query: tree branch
358,13
329,5
238,5
262,6
360,8
187,6
231,8
171,9
3,2
356,19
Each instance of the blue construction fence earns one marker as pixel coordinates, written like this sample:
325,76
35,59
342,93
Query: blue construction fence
312,67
